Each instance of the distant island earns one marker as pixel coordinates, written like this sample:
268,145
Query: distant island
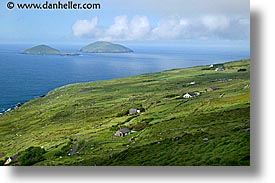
46,50
105,47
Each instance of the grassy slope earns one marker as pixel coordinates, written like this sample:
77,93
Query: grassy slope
174,128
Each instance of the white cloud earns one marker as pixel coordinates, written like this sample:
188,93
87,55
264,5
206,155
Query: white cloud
123,29
176,28
84,27
170,29
119,28
216,23
139,27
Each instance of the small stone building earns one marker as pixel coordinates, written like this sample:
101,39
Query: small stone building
134,111
122,132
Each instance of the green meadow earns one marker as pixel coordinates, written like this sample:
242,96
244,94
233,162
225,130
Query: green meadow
74,124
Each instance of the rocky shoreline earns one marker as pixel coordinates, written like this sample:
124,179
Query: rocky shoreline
16,106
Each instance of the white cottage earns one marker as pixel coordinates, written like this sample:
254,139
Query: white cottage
187,95
191,95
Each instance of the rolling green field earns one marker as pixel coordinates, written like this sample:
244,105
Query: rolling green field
75,124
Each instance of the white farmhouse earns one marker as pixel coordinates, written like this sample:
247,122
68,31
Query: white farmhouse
187,95
191,95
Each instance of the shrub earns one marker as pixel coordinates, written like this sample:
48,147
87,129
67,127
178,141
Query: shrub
114,128
122,113
241,70
65,149
2,162
31,156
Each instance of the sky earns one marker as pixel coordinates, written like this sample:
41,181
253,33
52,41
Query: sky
125,21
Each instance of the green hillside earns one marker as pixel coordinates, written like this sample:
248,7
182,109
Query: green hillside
75,124
105,47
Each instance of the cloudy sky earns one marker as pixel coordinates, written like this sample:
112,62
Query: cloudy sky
129,21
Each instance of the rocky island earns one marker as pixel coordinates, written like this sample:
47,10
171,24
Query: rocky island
46,50
105,47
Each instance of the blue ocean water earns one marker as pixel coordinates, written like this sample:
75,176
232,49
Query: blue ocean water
23,77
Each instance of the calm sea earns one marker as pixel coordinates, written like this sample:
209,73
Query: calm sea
23,77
